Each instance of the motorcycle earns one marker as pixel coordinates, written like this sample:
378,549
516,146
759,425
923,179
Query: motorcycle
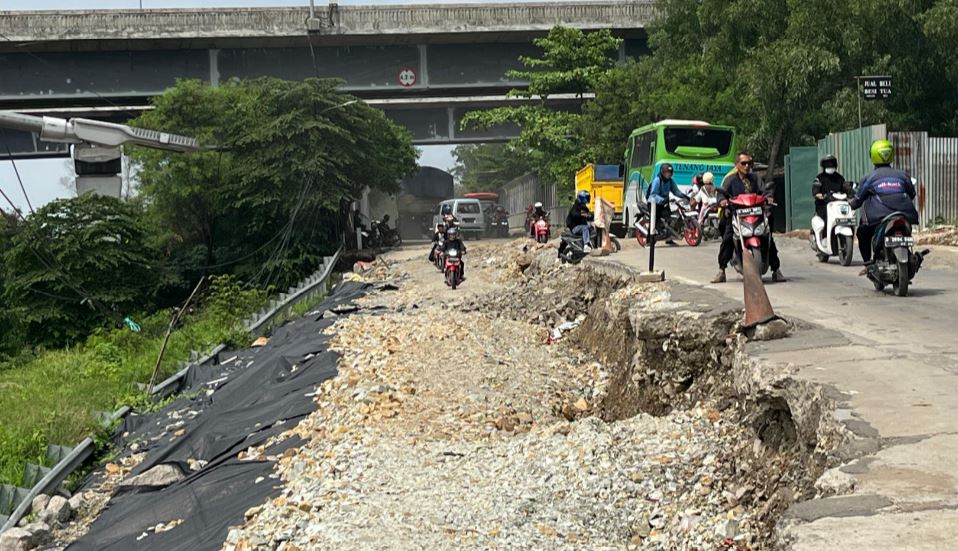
834,236
542,230
750,228
572,250
452,260
384,236
436,255
708,218
682,223
500,224
894,262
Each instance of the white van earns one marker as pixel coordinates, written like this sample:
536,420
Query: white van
472,221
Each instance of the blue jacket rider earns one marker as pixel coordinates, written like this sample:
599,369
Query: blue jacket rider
885,191
660,188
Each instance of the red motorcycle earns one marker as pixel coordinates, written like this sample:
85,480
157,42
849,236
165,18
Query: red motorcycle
453,266
542,230
750,228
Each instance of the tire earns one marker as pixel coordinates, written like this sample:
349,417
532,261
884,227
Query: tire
822,257
879,286
616,246
542,239
901,287
451,278
846,249
692,233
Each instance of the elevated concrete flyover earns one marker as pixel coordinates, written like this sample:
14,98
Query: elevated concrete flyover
426,64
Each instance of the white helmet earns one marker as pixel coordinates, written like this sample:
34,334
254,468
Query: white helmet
538,205
708,178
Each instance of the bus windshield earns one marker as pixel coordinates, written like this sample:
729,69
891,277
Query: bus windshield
719,139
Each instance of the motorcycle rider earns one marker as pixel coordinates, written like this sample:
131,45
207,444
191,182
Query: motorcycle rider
660,188
454,240
578,219
703,185
885,191
437,236
828,181
743,180
537,212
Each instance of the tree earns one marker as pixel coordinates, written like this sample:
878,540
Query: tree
9,328
487,167
265,205
77,264
572,62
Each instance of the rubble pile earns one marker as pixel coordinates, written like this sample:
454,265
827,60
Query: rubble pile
942,235
454,423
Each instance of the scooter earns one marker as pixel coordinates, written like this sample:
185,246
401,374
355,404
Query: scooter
894,262
682,223
750,228
452,259
542,230
834,236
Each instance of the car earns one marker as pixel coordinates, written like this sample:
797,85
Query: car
472,220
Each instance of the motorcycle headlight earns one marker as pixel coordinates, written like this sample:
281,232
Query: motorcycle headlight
759,229
453,253
745,231
845,209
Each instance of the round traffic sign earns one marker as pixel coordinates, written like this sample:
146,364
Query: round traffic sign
407,77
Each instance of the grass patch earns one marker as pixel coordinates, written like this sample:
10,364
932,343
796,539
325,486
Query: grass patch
52,397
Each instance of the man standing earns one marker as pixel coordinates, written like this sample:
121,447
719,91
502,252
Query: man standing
742,180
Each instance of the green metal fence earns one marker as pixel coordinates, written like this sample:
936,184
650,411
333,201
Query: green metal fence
801,167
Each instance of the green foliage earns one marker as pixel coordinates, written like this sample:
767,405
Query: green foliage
78,264
783,71
487,167
52,397
266,205
9,328
572,62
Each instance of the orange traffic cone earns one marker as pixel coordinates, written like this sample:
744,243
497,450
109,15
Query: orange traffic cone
758,309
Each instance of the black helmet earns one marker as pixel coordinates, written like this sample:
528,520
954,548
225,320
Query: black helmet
829,161
666,167
452,233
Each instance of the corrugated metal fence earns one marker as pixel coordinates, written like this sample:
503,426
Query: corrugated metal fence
851,147
934,163
931,161
517,195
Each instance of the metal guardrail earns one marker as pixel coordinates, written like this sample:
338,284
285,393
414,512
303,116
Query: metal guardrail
277,310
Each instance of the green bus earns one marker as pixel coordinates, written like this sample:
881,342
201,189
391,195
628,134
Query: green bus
690,146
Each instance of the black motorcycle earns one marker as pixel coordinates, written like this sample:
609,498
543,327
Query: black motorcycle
893,260
384,235
572,250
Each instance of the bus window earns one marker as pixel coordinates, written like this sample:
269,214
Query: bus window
719,139
642,152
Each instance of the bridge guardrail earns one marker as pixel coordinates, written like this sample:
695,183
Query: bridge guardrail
277,310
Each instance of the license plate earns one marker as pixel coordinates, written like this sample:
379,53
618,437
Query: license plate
749,211
844,221
899,241
468,219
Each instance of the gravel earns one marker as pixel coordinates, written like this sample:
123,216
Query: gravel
454,425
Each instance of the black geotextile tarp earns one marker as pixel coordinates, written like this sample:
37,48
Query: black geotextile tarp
259,393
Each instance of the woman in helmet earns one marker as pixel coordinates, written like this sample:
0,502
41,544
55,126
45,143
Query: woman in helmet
884,191
579,217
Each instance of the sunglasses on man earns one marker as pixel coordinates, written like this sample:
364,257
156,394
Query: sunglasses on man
746,163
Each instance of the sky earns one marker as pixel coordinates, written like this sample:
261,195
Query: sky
43,179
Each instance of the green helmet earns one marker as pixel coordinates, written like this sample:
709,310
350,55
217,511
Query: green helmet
882,152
